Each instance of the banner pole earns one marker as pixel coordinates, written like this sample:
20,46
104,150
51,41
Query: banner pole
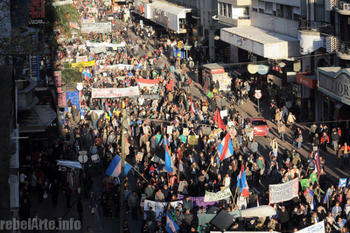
139,173
234,197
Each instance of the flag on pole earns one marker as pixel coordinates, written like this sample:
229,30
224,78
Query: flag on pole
115,168
218,120
168,163
226,148
317,162
342,182
193,110
242,183
171,226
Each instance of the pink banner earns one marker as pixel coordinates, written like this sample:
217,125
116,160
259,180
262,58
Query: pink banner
114,92
198,201
147,82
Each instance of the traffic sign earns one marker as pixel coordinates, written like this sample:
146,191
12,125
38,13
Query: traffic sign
258,94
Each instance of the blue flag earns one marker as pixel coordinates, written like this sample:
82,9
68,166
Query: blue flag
171,226
168,163
115,168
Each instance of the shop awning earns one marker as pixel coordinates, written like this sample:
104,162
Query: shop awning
36,119
264,43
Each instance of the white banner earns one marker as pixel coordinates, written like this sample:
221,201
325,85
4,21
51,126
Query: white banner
105,45
158,207
283,192
62,3
114,92
103,27
221,195
119,67
81,59
316,228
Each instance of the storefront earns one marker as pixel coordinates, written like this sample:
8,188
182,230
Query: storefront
307,92
333,102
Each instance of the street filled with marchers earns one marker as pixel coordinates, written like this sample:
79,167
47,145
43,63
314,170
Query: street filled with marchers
195,161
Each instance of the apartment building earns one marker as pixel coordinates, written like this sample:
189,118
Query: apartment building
266,29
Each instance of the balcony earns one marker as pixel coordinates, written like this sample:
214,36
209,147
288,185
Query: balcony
343,50
241,2
316,27
236,22
343,7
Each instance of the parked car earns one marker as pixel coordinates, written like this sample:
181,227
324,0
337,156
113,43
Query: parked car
261,128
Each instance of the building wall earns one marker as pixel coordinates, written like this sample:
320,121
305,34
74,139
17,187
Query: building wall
275,24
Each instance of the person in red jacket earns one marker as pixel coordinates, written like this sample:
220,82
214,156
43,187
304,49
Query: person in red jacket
324,141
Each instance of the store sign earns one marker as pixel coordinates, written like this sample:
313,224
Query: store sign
37,12
260,69
339,85
304,80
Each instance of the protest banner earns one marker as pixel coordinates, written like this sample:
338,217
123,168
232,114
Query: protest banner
139,156
169,129
206,130
74,25
114,92
105,45
221,195
193,140
81,59
158,207
147,83
119,67
197,201
283,192
316,228
186,132
151,97
88,20
102,27
260,211
83,64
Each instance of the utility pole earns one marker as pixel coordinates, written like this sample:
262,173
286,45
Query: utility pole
123,132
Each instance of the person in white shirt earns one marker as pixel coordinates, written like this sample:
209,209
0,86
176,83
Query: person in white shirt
227,180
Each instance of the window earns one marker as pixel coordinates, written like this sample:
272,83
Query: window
230,10
288,12
268,8
220,8
225,9
279,10
319,10
182,23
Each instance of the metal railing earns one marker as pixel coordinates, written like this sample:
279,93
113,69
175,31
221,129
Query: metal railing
320,27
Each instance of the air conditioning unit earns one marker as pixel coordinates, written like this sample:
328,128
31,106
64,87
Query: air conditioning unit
346,6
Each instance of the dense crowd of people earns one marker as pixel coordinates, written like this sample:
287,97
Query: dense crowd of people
168,115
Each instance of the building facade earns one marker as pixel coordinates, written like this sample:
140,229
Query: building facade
264,28
325,41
